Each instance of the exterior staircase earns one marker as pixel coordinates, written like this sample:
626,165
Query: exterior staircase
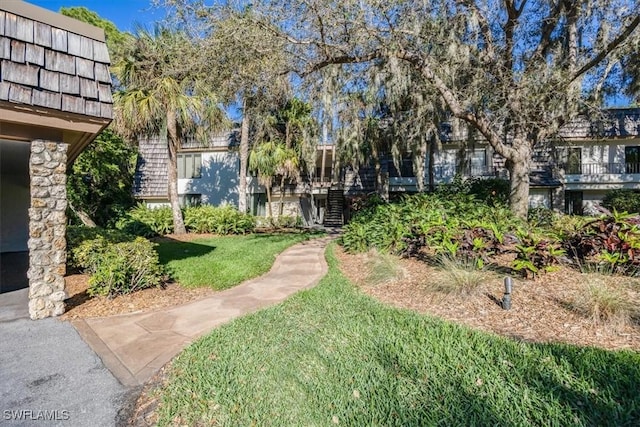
335,207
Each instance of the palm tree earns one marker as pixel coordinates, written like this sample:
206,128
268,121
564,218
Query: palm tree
270,159
163,94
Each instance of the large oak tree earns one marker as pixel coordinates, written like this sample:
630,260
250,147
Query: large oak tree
515,70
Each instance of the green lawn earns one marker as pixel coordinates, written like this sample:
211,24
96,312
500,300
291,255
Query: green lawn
225,261
331,355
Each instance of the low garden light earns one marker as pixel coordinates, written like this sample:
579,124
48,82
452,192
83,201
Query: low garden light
506,298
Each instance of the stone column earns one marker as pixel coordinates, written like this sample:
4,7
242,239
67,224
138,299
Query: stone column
47,228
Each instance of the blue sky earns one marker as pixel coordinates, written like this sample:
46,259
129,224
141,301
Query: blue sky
124,13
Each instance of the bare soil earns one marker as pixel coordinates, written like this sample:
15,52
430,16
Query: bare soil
542,309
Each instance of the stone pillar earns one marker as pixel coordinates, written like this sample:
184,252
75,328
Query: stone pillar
47,228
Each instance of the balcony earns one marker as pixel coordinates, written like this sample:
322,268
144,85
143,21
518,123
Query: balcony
446,172
602,173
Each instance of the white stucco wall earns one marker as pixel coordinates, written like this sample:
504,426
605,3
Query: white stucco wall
219,181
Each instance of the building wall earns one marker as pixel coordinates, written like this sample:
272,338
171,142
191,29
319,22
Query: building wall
14,196
14,199
219,179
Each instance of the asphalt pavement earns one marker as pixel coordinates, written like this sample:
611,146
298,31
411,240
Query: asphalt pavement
50,377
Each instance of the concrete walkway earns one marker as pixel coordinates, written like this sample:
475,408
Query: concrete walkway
135,346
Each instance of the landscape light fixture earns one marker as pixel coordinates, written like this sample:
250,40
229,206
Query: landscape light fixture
506,298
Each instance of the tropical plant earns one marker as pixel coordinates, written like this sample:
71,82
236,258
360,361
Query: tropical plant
270,159
218,219
622,200
164,93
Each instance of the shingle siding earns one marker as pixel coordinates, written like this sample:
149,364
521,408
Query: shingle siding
151,170
51,67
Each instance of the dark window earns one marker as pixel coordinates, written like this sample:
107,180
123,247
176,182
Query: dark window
632,159
406,168
189,166
574,161
573,202
478,161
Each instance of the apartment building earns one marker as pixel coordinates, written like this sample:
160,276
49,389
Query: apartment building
570,174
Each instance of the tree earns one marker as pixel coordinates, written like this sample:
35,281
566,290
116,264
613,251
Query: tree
114,38
515,70
271,158
100,180
165,93
285,146
99,183
248,68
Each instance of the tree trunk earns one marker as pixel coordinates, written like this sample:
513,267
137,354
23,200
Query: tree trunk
281,206
172,173
244,159
432,159
83,217
268,189
519,167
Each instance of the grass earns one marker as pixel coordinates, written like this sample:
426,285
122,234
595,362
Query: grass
224,261
603,302
460,276
382,267
331,355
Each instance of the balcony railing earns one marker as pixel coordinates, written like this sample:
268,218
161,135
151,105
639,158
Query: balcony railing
601,168
449,171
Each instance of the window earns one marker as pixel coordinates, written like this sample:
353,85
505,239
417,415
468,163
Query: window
574,161
478,161
189,165
632,159
189,200
406,168
573,202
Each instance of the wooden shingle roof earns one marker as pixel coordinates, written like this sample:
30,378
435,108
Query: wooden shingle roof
614,123
57,63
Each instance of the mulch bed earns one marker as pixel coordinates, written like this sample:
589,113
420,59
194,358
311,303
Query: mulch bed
541,309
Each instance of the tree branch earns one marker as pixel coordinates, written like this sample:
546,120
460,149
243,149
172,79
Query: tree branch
608,49
478,120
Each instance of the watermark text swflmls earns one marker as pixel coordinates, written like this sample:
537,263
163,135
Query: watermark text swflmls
36,415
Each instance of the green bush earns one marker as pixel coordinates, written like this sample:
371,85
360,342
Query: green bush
218,219
494,191
77,234
436,220
622,200
119,268
541,217
147,222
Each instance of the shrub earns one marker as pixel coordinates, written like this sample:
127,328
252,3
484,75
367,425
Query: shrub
541,217
610,240
147,222
536,254
494,191
218,219
76,235
119,268
622,200
436,220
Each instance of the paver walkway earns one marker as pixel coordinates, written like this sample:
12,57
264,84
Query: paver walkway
135,346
